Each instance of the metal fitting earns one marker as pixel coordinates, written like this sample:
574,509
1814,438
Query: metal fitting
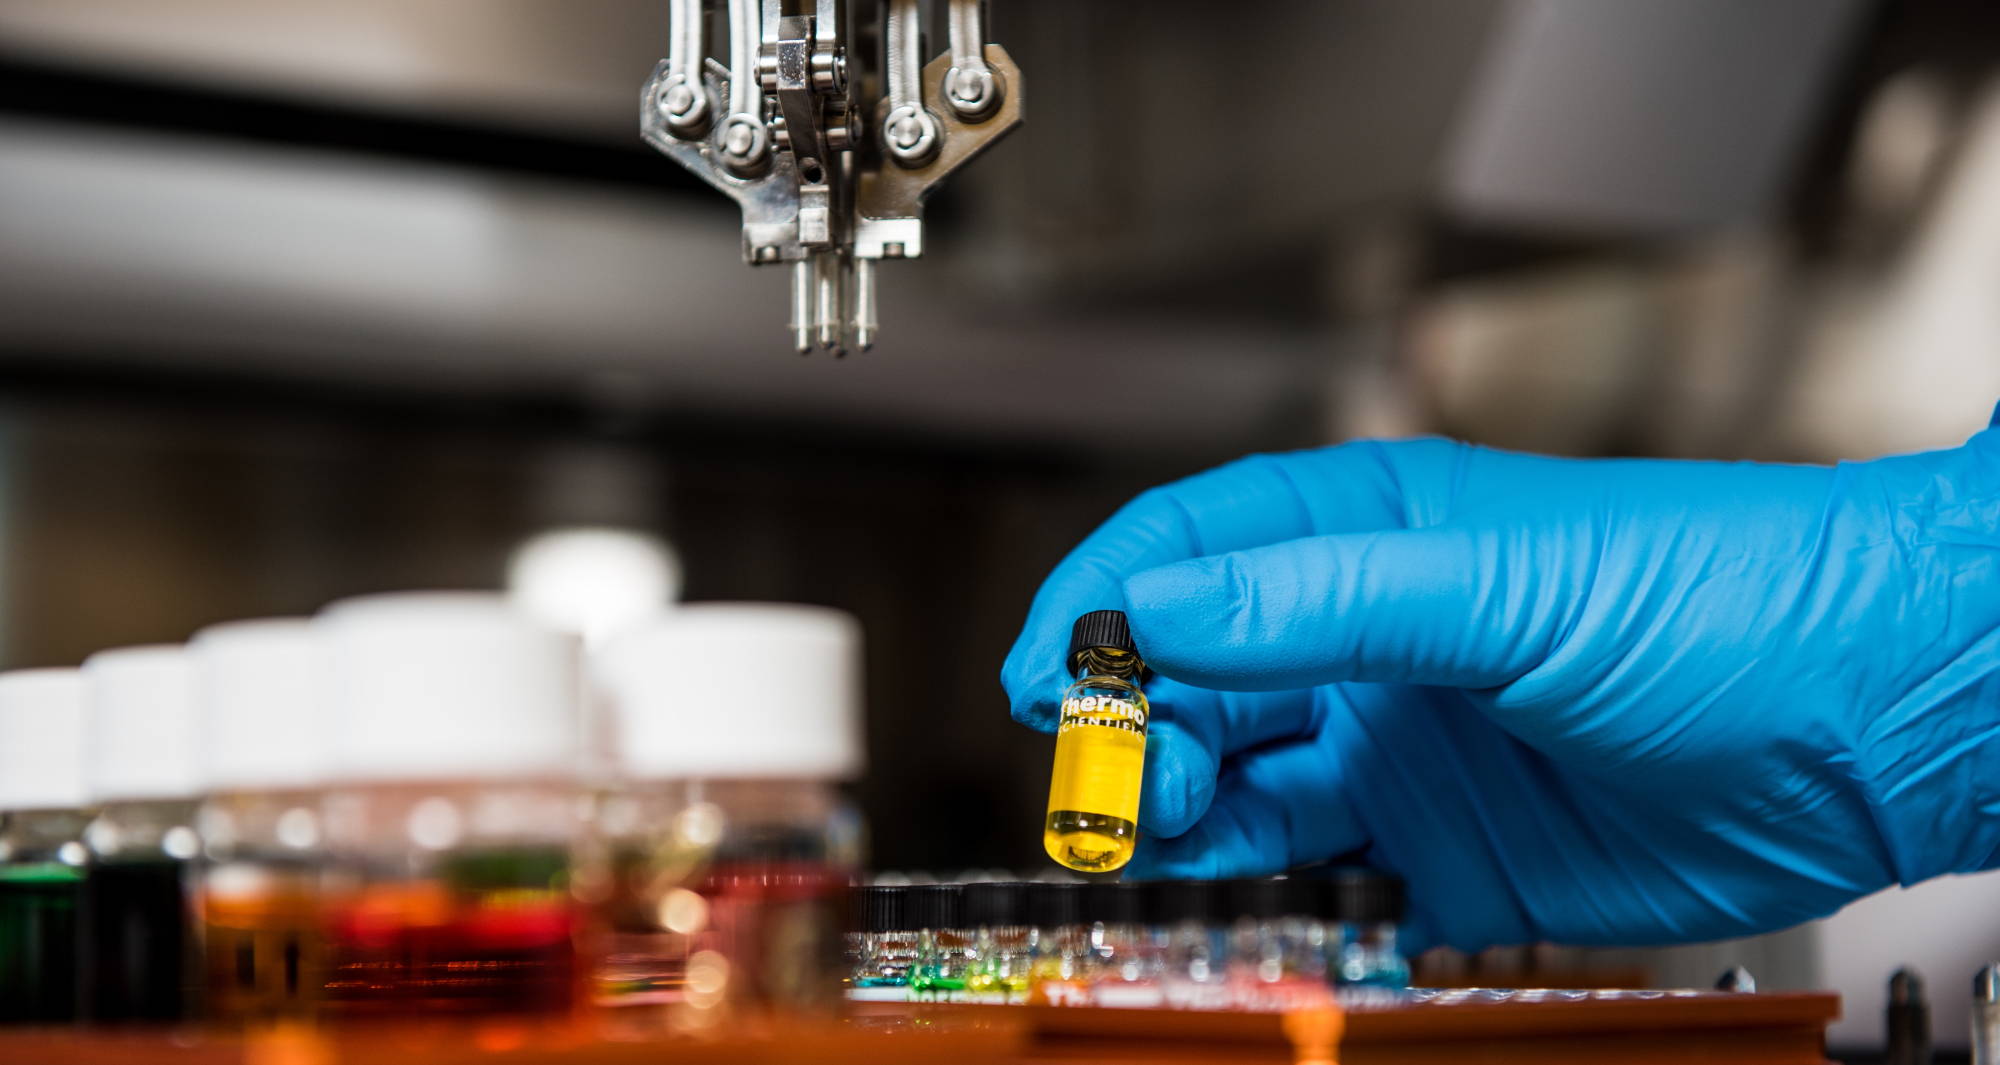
973,94
829,72
910,136
684,106
745,145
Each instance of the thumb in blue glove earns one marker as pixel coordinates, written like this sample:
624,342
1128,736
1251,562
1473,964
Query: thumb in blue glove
1582,701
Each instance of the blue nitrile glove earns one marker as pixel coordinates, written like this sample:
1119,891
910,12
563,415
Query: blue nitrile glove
1611,701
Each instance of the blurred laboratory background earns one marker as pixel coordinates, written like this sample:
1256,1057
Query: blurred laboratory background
302,299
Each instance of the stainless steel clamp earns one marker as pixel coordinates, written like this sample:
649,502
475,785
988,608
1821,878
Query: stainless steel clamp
829,149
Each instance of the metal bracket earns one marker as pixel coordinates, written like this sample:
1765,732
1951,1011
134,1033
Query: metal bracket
889,203
780,131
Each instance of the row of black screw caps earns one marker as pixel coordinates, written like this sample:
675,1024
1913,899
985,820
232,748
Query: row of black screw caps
1360,896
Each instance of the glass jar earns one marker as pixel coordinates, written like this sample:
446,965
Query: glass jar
709,898
42,864
450,899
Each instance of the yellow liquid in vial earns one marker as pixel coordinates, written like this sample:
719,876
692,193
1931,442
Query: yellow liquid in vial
1094,791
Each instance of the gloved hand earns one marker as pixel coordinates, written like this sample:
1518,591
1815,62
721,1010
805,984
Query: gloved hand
1609,701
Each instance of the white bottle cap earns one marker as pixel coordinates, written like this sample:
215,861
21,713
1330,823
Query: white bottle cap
140,729
747,690
41,739
448,685
261,692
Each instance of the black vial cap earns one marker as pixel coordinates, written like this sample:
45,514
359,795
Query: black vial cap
1055,905
1114,902
1906,987
1099,628
1364,896
936,906
1175,901
1268,898
880,908
995,905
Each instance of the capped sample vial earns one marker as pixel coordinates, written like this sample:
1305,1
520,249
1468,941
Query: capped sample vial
1093,815
886,945
716,874
1269,939
944,943
1192,939
1366,906
997,914
1126,963
450,810
42,855
261,691
1061,965
1277,944
140,954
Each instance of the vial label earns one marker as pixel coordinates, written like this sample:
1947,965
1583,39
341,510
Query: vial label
1128,996
1107,711
1094,789
878,994
1060,993
1097,771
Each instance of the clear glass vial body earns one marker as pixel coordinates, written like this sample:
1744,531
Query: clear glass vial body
449,899
264,956
1365,953
1271,950
1194,964
885,959
707,897
1002,956
944,960
1124,952
139,949
42,868
1060,964
1093,811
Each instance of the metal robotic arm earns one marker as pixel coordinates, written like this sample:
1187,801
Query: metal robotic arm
830,148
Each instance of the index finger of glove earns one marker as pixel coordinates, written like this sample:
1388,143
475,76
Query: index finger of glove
1258,500
1194,730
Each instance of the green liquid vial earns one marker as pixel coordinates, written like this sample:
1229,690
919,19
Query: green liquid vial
38,904
42,854
944,944
1093,816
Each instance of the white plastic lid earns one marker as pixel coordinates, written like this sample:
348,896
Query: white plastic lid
140,728
715,690
593,581
41,739
448,685
261,691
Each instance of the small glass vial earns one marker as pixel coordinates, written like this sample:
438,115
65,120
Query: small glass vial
1125,964
1093,818
450,810
944,944
42,855
262,689
885,947
1001,944
717,873
1277,957
140,948
1061,965
1366,907
1193,943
